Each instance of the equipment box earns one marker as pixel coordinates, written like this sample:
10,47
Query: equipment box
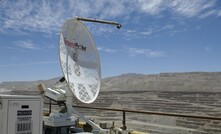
21,114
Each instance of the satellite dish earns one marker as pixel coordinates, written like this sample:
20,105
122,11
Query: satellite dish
79,61
80,65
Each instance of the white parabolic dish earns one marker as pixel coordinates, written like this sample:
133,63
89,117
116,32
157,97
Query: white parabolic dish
79,61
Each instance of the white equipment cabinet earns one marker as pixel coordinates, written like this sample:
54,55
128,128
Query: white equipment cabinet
21,114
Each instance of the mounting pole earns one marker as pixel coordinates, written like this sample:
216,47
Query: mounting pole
124,121
118,26
50,106
69,100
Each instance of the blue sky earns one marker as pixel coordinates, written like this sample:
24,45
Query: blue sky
156,36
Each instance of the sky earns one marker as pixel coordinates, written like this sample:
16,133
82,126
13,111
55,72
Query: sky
157,36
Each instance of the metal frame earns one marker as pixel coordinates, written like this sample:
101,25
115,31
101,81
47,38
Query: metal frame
124,127
149,112
153,113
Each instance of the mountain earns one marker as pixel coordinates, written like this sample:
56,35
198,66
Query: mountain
26,85
191,81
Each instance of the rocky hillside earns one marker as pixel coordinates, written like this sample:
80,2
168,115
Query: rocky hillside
196,93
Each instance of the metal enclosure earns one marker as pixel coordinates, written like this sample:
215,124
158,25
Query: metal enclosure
21,114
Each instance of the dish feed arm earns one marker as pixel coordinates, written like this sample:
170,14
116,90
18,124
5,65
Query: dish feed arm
118,26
